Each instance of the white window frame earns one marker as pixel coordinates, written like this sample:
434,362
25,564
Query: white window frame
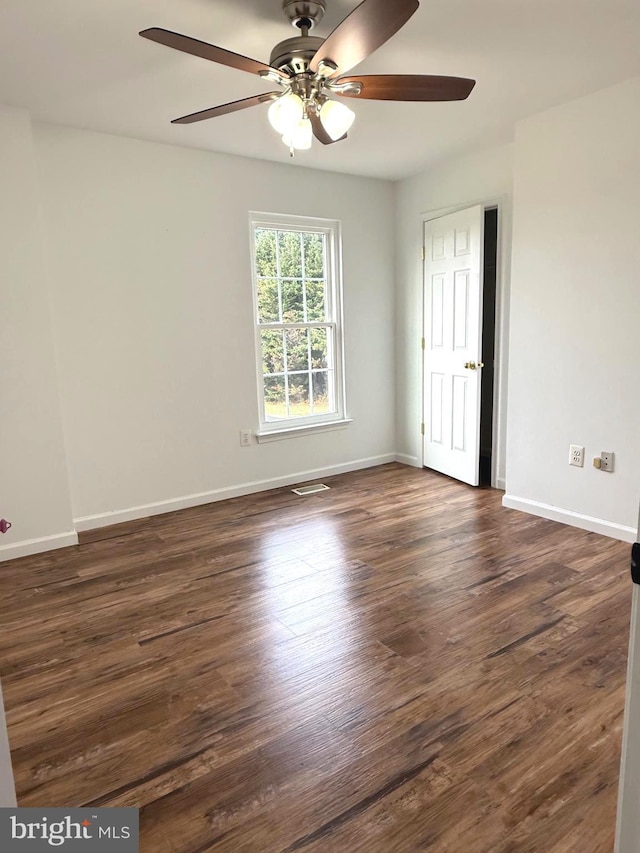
291,427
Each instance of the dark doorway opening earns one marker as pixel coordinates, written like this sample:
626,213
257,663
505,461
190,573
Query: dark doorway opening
490,274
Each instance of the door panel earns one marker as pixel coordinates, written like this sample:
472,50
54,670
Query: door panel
453,324
437,419
459,412
461,309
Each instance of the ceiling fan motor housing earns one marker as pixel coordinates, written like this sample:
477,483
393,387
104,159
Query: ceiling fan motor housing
304,14
294,55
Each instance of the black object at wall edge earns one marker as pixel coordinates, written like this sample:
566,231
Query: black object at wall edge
635,562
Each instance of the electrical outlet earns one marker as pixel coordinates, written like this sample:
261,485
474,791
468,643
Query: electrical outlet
245,437
576,455
606,460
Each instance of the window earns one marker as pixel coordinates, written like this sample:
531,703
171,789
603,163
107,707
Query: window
298,323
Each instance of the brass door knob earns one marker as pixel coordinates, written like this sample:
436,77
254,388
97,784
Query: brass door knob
471,365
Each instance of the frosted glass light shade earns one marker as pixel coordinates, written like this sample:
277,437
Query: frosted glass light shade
286,113
336,119
300,137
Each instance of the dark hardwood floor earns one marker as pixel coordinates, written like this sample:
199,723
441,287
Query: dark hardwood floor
397,664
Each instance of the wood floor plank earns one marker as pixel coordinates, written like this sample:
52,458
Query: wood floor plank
394,665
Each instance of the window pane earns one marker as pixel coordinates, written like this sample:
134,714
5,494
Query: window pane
292,301
274,398
316,301
265,253
268,311
299,368
290,254
272,352
319,349
323,396
299,406
297,349
313,255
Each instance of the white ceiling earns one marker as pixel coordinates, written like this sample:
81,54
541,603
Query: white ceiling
82,63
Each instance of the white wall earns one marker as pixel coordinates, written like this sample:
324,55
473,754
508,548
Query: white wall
575,308
34,493
148,253
482,177
147,257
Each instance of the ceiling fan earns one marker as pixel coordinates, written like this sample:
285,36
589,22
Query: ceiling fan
309,71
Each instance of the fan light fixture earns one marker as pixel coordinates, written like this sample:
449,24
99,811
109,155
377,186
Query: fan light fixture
336,119
299,136
286,113
289,116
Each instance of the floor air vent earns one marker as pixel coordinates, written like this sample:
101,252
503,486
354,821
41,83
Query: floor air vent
310,490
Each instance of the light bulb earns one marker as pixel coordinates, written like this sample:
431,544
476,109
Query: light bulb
286,112
300,137
336,119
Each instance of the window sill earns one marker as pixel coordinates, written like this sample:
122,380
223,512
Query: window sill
296,432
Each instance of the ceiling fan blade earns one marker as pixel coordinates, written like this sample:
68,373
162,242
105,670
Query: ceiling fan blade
408,87
227,108
209,51
368,27
320,133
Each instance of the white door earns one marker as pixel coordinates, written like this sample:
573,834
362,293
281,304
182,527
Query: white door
453,343
628,825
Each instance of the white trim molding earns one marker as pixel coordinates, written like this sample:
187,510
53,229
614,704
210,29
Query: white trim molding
573,519
28,547
91,522
297,431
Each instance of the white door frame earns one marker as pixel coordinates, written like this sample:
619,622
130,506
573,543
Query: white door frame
628,819
502,329
7,786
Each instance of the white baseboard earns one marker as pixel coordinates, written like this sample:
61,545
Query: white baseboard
37,546
501,484
574,519
403,459
91,522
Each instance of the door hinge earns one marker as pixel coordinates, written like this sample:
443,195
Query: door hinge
422,343
422,429
422,253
